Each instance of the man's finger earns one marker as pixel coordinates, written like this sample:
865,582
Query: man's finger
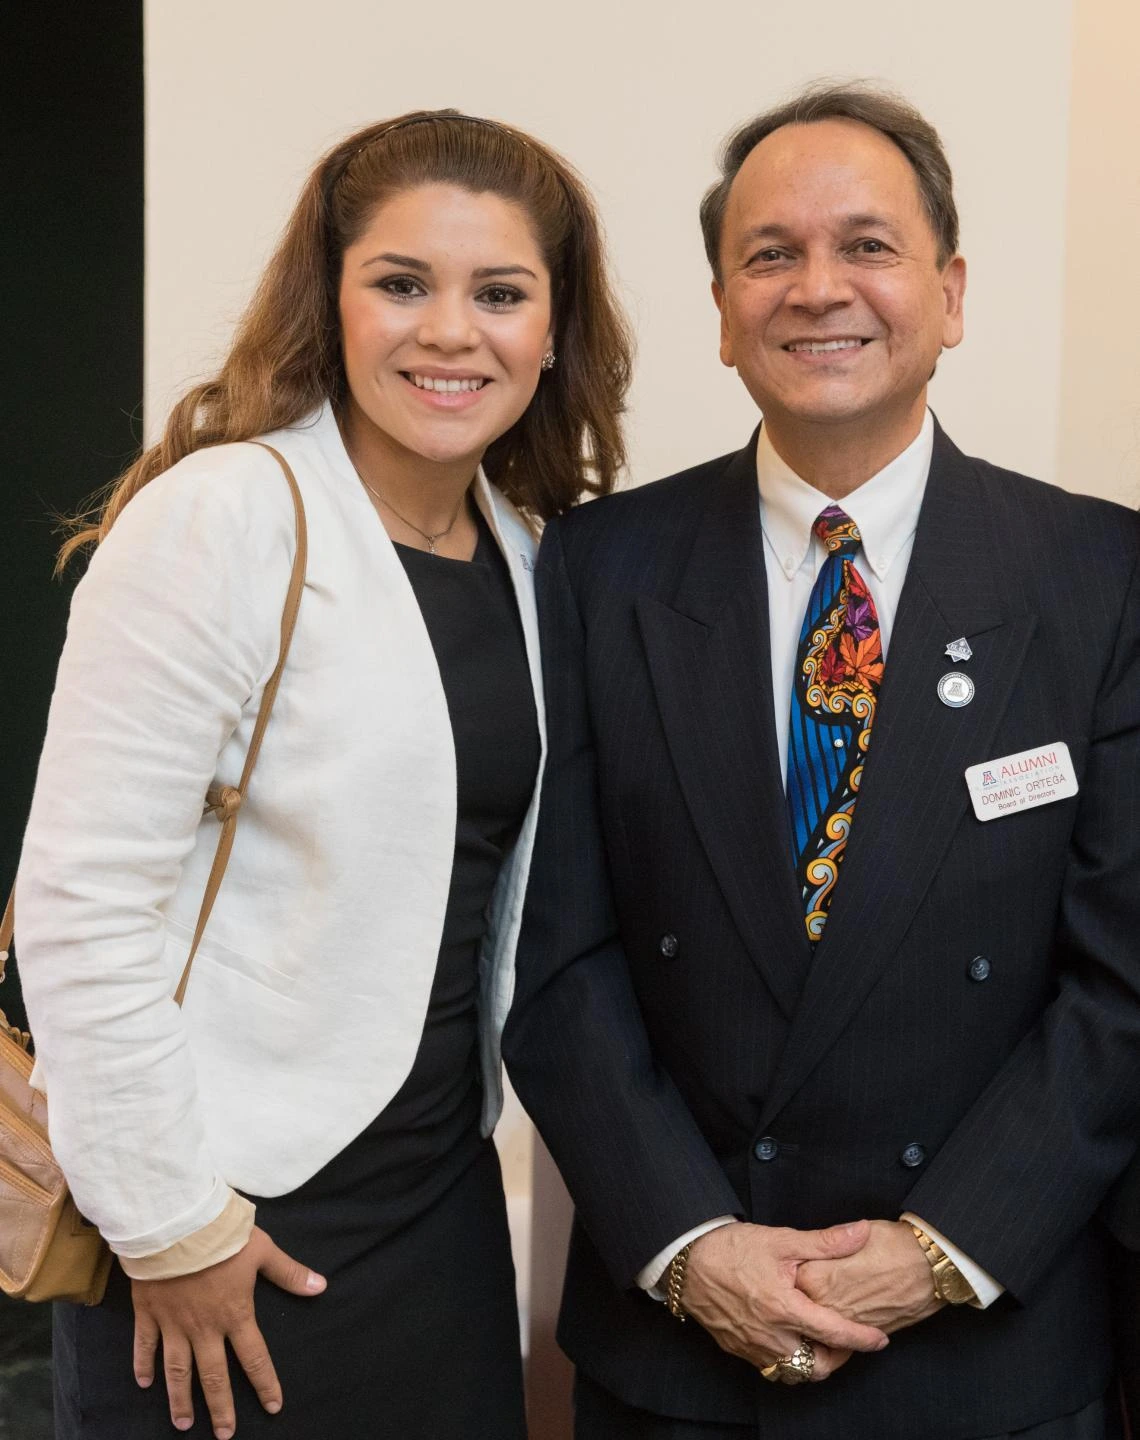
253,1356
827,1360
779,1345
214,1378
288,1273
145,1349
819,1323
834,1243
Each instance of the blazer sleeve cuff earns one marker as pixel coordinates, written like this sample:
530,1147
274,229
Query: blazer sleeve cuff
649,1278
983,1284
210,1245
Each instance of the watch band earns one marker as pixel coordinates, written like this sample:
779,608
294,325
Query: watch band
950,1284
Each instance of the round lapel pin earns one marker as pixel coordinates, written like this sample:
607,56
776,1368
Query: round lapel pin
955,689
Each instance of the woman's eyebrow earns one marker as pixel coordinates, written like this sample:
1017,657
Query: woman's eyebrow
486,271
409,262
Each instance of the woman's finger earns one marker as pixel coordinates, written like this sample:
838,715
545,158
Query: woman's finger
253,1356
145,1349
178,1367
214,1378
283,1270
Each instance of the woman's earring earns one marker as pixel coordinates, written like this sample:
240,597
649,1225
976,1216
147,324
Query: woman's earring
548,360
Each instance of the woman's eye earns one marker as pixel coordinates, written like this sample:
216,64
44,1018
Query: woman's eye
401,287
500,297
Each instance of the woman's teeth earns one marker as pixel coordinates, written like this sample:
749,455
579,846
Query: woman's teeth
445,387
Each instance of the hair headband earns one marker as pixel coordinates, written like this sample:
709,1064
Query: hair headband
432,117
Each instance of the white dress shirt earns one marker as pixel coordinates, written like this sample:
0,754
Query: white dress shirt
885,508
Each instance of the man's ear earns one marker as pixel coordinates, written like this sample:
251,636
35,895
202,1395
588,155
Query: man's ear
725,338
953,297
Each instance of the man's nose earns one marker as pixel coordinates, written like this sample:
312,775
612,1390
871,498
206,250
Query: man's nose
821,283
448,324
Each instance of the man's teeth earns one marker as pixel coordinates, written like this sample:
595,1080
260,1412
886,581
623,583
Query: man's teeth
817,347
446,387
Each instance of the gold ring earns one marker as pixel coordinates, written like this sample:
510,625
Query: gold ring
793,1369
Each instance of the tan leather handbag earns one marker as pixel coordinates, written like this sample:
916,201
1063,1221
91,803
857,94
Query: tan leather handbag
47,1250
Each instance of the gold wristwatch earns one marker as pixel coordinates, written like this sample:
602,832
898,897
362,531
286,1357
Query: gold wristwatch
949,1282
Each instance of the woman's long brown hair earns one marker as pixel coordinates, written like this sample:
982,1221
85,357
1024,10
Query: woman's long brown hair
285,359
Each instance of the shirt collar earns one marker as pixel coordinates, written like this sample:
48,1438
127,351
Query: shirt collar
885,507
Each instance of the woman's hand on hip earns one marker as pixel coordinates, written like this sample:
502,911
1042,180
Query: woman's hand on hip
195,1315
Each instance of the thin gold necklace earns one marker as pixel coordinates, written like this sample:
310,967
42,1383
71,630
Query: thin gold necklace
432,540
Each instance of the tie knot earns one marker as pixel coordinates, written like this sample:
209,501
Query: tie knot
837,530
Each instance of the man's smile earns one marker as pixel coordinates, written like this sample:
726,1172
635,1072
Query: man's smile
822,347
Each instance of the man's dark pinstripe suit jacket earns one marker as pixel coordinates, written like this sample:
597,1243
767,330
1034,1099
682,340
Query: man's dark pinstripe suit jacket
891,1077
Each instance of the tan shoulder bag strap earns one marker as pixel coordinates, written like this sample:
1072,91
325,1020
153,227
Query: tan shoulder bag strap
6,926
225,800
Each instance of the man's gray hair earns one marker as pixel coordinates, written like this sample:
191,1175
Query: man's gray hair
884,111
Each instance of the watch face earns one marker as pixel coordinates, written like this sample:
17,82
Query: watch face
950,1284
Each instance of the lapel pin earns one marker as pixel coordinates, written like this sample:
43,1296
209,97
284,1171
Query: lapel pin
955,689
959,650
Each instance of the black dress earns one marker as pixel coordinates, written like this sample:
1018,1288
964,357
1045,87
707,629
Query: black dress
416,1337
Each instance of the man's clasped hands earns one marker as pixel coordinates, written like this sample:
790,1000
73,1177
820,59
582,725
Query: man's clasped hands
761,1291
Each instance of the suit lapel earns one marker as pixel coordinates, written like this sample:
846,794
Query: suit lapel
708,655
914,793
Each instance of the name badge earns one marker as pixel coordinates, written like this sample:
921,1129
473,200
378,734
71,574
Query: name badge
1022,781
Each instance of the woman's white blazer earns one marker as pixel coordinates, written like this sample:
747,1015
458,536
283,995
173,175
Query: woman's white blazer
309,992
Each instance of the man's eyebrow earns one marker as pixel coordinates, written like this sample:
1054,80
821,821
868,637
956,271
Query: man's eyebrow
766,232
409,262
858,221
870,221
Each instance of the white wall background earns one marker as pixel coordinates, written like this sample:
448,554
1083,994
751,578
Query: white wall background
1099,420
242,95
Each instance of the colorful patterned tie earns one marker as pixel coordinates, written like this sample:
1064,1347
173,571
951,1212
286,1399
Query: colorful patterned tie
839,666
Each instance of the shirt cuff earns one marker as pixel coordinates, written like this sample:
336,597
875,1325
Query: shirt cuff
210,1245
650,1277
984,1286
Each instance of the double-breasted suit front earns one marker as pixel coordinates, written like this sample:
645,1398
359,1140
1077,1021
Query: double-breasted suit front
964,1041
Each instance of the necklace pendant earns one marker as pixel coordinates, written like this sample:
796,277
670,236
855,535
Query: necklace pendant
431,543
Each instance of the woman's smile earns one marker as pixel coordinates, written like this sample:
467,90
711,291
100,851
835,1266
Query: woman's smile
445,311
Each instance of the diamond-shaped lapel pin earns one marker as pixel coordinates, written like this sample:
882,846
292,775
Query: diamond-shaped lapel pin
959,649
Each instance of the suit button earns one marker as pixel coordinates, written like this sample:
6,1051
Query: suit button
913,1156
766,1148
979,968
669,946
